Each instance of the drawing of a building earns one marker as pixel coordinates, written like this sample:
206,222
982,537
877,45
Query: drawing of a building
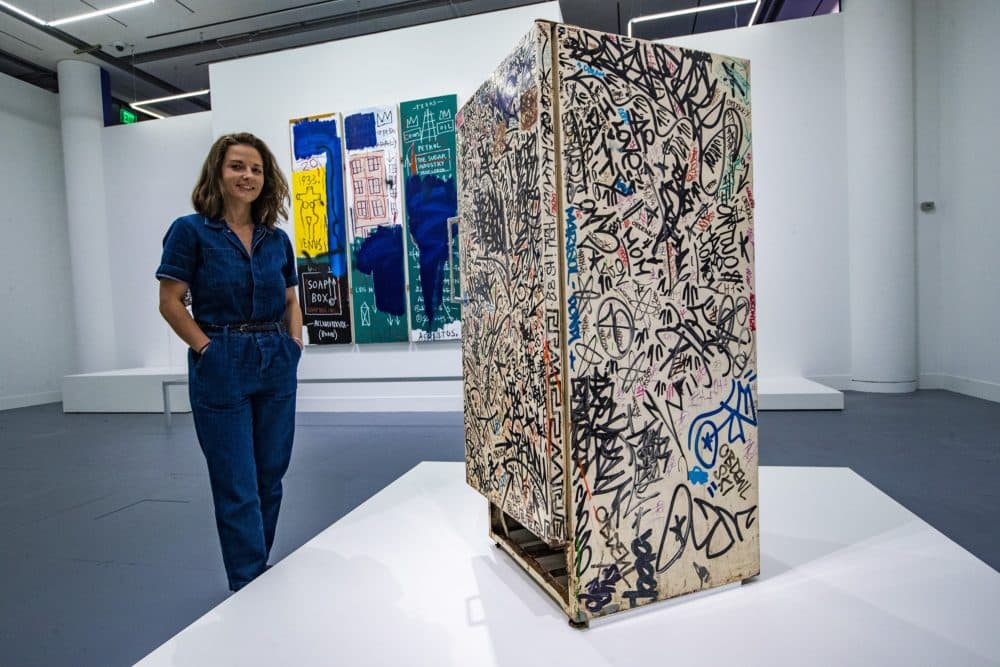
368,179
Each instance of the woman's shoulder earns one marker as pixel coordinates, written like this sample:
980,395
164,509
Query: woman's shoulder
191,220
195,224
187,229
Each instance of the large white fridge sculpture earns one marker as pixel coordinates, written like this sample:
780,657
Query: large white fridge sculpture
606,231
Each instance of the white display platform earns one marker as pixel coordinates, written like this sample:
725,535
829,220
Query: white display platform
796,393
141,390
124,390
848,577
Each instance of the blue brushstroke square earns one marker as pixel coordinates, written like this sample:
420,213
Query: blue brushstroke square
359,131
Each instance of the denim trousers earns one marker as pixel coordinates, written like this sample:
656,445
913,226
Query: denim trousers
242,393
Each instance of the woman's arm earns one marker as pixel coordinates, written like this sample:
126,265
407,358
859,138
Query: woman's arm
293,315
177,316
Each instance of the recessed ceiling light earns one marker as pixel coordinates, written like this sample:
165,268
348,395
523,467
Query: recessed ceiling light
139,106
692,10
99,12
18,10
78,17
148,112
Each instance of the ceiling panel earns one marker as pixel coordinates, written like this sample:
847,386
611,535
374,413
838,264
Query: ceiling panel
166,47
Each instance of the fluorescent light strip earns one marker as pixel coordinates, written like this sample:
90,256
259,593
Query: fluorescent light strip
168,98
100,12
753,17
147,112
78,17
139,106
23,13
682,12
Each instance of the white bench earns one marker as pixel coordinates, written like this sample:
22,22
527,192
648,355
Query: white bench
383,387
149,390
170,382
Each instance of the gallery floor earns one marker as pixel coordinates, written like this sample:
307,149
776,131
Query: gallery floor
109,548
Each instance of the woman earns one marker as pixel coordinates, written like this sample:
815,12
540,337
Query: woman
243,339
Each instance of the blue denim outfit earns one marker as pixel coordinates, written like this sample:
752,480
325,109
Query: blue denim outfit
243,387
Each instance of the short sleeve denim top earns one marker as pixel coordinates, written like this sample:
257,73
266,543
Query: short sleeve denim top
228,286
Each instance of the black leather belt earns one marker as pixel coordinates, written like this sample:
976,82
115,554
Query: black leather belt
245,327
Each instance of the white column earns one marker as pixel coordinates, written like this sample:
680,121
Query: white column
82,116
932,308
878,53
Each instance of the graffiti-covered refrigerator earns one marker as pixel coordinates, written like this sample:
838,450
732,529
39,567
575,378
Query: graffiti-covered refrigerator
609,332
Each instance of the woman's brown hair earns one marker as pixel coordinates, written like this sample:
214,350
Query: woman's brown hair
269,205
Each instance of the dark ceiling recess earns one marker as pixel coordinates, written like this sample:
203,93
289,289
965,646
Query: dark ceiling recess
29,72
613,16
600,15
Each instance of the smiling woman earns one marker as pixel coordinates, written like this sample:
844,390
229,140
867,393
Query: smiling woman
243,337
265,208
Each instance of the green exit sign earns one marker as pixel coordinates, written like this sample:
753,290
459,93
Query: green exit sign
126,116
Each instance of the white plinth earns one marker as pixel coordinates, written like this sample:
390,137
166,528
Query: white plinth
141,390
124,390
796,393
848,577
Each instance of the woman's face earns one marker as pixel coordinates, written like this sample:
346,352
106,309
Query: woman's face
242,174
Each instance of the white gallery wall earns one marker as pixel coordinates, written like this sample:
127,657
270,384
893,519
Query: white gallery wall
36,343
797,98
149,172
261,94
927,187
802,244
958,103
798,147
151,168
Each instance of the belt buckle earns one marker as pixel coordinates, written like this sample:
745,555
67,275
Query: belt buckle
243,328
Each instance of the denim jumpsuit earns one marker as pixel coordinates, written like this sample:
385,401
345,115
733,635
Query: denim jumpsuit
243,387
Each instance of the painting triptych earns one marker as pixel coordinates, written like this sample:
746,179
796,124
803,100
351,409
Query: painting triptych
374,204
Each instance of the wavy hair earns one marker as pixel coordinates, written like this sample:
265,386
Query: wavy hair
269,206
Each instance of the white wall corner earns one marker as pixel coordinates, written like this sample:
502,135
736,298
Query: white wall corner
36,339
932,381
984,389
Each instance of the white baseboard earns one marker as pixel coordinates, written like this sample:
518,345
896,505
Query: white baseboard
877,387
27,400
846,383
933,381
989,391
838,382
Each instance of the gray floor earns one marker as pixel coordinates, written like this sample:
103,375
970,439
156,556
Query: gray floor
109,546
